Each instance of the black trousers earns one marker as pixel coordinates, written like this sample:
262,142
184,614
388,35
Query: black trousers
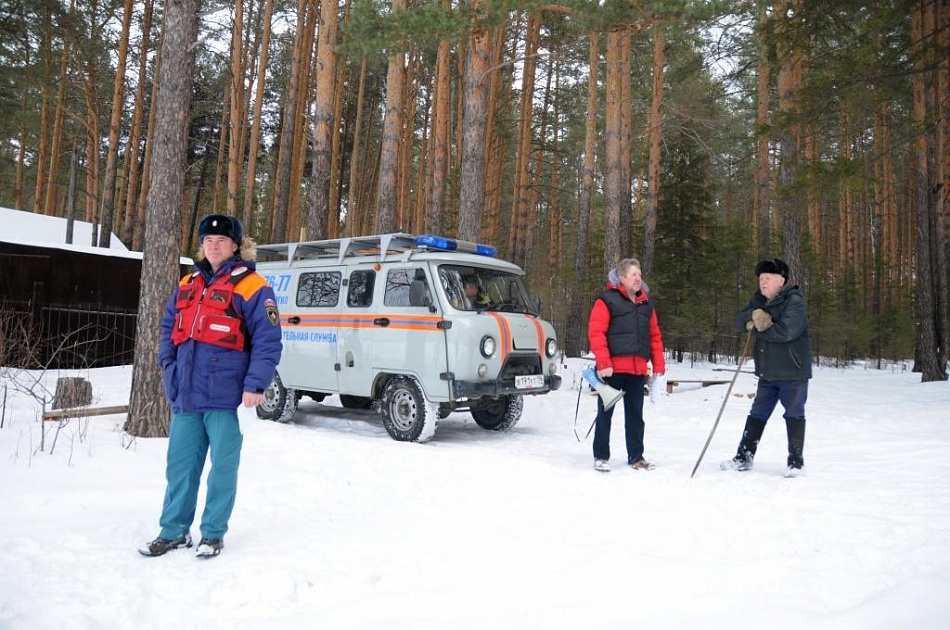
632,386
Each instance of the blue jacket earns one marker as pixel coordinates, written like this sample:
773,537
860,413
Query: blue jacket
204,377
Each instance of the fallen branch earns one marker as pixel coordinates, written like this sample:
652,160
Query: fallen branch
84,412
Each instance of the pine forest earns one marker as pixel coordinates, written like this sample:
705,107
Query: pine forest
697,136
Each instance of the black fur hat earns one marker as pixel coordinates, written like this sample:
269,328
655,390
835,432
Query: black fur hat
222,224
772,265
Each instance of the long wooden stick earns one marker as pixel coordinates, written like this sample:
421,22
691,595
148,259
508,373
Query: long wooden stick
84,412
745,351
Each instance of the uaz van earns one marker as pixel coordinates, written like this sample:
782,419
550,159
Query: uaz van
416,326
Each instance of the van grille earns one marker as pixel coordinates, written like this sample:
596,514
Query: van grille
519,364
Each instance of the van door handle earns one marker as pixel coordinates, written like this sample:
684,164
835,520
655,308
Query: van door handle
293,320
381,321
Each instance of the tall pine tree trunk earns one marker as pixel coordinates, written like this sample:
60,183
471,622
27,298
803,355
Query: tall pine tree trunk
57,139
475,115
521,197
574,343
138,233
133,181
441,122
789,141
406,144
39,190
761,199
19,177
626,146
255,140
613,171
318,205
931,348
90,94
237,117
846,210
115,122
354,207
498,101
286,151
941,106
148,408
389,151
656,135
336,159
294,227
220,169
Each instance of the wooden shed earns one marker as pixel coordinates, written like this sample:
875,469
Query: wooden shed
64,305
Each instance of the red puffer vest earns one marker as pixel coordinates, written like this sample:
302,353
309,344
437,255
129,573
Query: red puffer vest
207,314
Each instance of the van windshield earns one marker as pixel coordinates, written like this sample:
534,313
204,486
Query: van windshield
482,289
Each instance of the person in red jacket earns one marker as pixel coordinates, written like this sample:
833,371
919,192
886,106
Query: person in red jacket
624,335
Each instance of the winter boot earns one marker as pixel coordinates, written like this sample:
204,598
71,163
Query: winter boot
160,546
209,547
751,435
796,445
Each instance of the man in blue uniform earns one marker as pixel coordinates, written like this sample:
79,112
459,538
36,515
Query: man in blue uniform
220,344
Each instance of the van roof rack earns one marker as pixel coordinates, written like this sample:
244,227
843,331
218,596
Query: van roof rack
340,248
380,245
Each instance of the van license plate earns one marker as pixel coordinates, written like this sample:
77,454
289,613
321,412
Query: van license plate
529,381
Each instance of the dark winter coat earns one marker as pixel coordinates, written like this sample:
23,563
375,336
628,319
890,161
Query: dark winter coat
204,377
783,351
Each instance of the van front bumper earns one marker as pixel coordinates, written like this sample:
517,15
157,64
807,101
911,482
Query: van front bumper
477,389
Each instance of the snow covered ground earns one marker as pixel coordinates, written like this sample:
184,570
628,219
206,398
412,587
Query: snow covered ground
338,526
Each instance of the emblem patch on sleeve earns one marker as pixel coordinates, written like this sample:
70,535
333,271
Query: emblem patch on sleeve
271,308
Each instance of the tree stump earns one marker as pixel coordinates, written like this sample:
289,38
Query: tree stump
72,392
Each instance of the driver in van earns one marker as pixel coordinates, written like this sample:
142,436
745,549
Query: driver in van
474,296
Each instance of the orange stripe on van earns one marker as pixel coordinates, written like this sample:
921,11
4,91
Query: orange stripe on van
505,333
540,330
428,323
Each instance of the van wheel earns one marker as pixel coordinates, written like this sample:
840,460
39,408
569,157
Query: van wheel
407,416
498,414
279,403
355,402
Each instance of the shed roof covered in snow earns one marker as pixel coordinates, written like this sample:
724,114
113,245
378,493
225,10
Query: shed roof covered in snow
29,228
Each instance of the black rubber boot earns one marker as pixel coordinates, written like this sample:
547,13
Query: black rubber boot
796,442
751,435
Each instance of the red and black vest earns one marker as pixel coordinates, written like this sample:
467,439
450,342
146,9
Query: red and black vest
629,331
207,313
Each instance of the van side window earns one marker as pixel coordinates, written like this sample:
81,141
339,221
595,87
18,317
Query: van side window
360,291
407,287
319,289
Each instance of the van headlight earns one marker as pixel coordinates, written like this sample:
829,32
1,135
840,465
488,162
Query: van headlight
487,346
550,347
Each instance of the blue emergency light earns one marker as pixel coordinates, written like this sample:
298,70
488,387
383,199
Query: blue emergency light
452,245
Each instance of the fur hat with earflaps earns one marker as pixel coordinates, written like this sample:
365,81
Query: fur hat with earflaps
222,225
772,265
226,225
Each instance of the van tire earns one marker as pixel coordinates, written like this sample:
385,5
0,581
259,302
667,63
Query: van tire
498,414
355,402
407,415
279,403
